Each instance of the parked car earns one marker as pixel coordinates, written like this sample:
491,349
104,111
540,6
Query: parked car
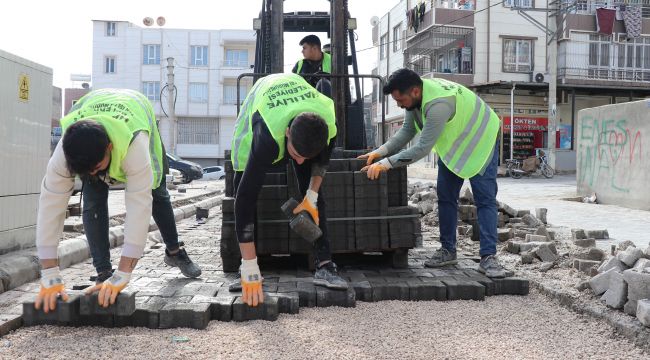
177,176
56,136
214,173
190,170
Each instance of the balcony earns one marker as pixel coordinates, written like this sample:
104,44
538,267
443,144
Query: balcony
588,7
452,12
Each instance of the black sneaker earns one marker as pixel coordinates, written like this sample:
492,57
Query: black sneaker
183,262
327,275
235,285
441,257
491,268
103,276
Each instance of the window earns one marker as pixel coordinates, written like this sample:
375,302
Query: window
151,89
200,55
110,28
397,43
383,46
517,55
198,131
199,93
109,64
236,58
518,3
230,94
151,54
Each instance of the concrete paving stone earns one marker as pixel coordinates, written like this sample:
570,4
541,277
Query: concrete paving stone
612,262
585,265
616,295
643,312
427,290
527,257
531,220
195,316
600,283
530,246
390,291
542,231
505,234
307,293
483,280
507,209
641,264
18,270
362,289
104,320
268,310
288,303
513,246
199,288
541,213
124,305
592,254
585,243
597,234
329,297
65,313
10,322
630,256
578,234
220,306
522,213
516,220
638,284
72,251
522,233
545,253
630,307
460,289
511,286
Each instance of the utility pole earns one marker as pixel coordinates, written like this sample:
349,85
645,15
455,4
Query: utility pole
170,103
552,81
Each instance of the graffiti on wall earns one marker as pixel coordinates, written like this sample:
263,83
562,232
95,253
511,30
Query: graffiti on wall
608,152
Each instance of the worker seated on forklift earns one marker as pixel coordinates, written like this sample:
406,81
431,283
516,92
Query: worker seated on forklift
282,115
109,136
315,61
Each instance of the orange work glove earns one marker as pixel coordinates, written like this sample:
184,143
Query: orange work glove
371,156
251,282
51,287
376,169
109,289
309,204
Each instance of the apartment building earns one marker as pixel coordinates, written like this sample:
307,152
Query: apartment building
206,66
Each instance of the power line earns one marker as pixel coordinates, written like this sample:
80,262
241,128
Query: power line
432,28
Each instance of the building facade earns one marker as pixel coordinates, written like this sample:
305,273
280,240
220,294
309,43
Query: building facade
206,64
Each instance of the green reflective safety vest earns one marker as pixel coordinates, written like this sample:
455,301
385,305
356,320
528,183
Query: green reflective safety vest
123,113
279,98
326,66
466,143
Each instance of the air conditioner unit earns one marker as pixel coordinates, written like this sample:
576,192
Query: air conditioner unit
540,77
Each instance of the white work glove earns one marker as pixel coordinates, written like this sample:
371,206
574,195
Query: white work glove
109,289
251,282
51,287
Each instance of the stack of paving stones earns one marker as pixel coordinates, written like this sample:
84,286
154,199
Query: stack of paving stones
623,280
156,303
361,212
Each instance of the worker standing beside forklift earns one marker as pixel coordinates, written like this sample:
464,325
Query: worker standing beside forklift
462,129
314,61
282,114
110,136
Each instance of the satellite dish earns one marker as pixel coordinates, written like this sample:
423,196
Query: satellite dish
147,21
160,21
374,20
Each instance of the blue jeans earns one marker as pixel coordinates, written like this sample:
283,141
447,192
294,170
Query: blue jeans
95,219
484,188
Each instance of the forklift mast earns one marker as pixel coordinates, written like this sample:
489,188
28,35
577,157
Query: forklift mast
269,58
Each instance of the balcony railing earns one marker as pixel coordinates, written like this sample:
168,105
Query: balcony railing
588,7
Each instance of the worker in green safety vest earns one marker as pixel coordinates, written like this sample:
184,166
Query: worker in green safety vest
462,130
110,136
315,61
282,115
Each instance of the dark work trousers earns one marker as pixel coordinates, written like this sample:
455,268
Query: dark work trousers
95,218
322,250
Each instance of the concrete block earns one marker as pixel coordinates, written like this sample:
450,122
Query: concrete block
467,197
546,252
307,293
543,232
328,297
268,310
467,212
641,264
427,290
592,254
390,291
551,234
511,286
585,265
616,296
363,290
530,246
540,213
597,234
220,305
624,245
522,213
458,289
147,314
638,284
646,253
124,305
600,283
505,234
527,257
73,251
578,234
643,312
536,238
630,256
612,262
630,307
531,221
288,303
65,313
516,220
507,209
585,243
513,246
546,266
189,315
18,270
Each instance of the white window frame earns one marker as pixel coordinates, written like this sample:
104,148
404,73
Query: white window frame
230,94
198,93
233,58
200,55
111,28
524,4
151,89
383,46
397,38
519,66
110,65
151,54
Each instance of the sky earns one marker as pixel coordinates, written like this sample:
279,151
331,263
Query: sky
58,34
